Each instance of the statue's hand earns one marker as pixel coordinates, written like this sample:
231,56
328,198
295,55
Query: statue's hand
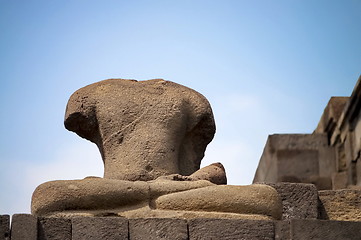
214,173
175,177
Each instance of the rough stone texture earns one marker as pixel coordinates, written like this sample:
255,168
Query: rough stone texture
283,230
158,229
54,229
143,129
341,205
147,212
94,228
162,187
24,226
215,173
100,197
319,230
252,199
4,227
299,200
87,194
339,180
89,228
230,229
95,195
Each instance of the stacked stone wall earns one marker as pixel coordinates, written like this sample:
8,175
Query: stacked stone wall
23,228
307,214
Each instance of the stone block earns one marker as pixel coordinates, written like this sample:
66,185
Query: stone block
300,200
54,229
357,139
282,230
358,172
320,229
341,157
158,229
339,180
299,163
88,228
349,149
295,158
351,175
267,166
24,226
298,141
331,114
4,227
230,229
341,205
327,161
322,183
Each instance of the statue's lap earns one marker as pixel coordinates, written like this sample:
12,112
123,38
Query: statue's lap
97,196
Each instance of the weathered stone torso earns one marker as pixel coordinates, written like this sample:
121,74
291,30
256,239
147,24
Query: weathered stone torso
143,129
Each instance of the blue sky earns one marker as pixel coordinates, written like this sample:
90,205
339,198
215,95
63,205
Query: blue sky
265,66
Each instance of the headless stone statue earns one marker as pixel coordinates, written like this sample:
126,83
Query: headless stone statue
152,136
143,130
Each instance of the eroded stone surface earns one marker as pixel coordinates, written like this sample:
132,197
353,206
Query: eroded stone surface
143,129
214,173
87,194
24,226
341,205
163,187
318,229
230,229
282,230
5,227
99,197
252,199
54,228
158,229
299,200
104,228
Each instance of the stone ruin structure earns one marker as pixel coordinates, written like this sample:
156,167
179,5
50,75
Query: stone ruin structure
152,136
328,158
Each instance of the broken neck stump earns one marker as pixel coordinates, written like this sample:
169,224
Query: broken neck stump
152,136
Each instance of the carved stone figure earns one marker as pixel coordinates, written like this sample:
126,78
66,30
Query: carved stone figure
144,129
152,136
